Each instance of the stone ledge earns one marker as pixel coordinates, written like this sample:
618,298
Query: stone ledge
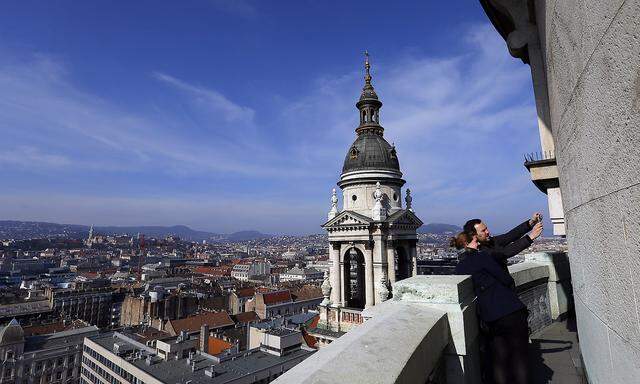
558,263
528,272
434,289
402,343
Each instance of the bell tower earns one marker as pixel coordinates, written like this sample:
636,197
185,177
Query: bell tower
372,239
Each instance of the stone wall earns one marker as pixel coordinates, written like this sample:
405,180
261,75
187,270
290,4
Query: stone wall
427,333
592,57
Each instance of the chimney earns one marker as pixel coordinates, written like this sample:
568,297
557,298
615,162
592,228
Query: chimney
204,338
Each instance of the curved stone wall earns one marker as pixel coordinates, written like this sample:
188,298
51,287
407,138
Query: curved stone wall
592,61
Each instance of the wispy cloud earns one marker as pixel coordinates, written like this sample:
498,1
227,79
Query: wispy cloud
43,110
30,157
460,124
210,100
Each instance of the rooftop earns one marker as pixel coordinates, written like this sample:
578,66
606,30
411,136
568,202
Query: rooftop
177,371
11,310
60,339
193,323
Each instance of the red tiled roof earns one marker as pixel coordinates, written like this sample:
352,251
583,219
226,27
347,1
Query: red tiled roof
44,329
276,297
193,323
309,340
245,292
245,317
307,292
217,346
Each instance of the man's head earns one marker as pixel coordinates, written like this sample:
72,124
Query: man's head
477,227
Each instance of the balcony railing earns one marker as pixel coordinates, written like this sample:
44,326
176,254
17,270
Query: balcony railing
428,332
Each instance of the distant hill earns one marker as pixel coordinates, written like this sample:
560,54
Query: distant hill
182,231
247,235
439,228
21,230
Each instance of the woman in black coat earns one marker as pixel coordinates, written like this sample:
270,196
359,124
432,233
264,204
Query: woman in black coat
503,314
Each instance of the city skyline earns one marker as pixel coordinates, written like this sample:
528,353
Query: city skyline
235,131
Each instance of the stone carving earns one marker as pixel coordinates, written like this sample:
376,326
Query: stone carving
326,289
334,205
379,213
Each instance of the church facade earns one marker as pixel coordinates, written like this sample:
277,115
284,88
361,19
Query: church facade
373,237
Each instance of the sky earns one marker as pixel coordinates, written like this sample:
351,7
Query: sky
228,115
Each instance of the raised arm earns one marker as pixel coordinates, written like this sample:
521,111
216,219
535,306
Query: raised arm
511,249
515,247
513,235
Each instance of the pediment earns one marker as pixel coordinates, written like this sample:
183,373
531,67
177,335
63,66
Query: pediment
348,218
404,217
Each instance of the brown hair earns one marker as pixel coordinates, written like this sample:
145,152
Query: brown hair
460,240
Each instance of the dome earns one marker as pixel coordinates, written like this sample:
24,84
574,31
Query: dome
12,333
370,151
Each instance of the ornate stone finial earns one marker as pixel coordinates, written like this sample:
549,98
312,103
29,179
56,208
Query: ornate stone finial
334,205
381,288
326,289
408,200
378,213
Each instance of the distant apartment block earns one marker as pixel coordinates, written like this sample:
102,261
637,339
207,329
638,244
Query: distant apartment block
93,305
282,303
156,307
299,273
244,272
239,298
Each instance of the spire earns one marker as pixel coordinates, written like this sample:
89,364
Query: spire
367,67
369,105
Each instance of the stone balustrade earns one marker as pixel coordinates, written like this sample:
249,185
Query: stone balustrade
428,332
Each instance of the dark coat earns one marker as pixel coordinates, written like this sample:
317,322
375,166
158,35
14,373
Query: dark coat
504,246
493,286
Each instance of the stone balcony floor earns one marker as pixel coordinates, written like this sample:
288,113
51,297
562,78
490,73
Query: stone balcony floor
555,354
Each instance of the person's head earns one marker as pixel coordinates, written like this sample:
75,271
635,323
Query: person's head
477,227
464,240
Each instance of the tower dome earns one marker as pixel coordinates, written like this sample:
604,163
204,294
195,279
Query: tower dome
371,151
370,155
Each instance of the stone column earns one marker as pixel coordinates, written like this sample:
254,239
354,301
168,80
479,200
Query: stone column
368,276
343,293
413,255
335,273
391,262
556,212
379,266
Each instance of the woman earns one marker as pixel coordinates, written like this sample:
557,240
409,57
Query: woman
499,308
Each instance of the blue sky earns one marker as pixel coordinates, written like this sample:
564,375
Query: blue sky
229,115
